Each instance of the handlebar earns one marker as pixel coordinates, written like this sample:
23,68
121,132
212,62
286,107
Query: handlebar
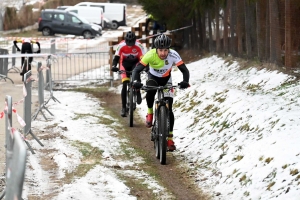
147,88
124,72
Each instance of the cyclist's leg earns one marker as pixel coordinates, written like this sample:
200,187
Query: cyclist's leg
150,96
171,145
125,81
171,114
150,101
169,94
26,48
124,93
30,59
138,92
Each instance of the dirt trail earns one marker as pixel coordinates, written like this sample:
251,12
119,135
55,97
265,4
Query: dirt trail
177,179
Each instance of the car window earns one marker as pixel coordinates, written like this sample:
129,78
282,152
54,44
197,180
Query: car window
59,17
83,5
80,18
48,16
75,20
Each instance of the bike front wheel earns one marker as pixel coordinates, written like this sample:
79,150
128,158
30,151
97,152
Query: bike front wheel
154,133
163,132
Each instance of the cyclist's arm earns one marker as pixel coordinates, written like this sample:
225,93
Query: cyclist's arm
136,71
37,43
185,72
115,61
15,44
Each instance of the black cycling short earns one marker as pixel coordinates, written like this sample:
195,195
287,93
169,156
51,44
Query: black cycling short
157,81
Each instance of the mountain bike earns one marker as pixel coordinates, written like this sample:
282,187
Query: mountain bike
130,98
161,125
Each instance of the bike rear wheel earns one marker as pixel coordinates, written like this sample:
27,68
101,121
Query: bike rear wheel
163,131
131,106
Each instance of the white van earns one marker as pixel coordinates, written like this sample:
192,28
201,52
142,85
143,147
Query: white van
91,14
115,12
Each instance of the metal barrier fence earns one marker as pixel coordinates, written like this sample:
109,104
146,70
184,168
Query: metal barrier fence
67,64
4,66
41,87
15,144
16,154
70,67
27,109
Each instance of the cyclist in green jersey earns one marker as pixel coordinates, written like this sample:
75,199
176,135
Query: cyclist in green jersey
160,61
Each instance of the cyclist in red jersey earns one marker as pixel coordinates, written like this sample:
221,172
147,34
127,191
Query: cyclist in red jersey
128,54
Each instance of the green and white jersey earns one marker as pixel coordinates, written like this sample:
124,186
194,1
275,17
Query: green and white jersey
158,67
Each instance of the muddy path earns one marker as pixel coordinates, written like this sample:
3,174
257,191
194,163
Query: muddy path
175,176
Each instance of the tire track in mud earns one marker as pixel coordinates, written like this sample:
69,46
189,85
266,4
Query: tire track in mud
174,175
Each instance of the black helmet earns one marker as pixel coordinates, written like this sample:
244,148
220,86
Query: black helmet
162,42
130,38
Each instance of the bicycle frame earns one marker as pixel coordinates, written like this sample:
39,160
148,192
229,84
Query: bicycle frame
130,98
161,127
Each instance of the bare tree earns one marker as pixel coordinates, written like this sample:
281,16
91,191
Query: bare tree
217,18
275,49
225,22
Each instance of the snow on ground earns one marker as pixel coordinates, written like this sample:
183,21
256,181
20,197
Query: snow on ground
240,130
102,181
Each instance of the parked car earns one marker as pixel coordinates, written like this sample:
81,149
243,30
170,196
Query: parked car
92,14
116,12
54,21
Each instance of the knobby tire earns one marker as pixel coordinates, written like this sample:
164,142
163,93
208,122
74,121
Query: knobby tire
156,139
163,129
131,107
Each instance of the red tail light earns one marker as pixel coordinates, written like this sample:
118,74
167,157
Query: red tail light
40,19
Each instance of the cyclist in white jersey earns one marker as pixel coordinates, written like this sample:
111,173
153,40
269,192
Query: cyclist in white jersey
160,61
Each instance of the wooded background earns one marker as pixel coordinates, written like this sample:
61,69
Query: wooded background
264,30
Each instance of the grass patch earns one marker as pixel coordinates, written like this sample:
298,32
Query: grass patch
91,157
294,172
101,119
273,123
209,107
243,178
238,158
131,153
285,166
270,185
246,193
244,127
268,160
253,87
261,158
